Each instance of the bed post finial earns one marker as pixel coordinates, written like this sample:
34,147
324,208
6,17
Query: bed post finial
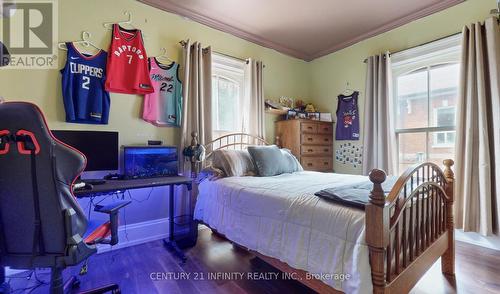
448,172
377,196
377,230
448,258
277,141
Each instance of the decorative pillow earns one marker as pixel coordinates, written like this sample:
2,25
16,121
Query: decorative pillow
272,161
290,163
234,163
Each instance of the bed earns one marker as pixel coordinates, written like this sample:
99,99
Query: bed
329,247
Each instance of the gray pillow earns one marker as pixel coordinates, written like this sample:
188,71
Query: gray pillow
271,161
290,163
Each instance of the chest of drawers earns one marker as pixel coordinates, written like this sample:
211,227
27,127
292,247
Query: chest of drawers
310,141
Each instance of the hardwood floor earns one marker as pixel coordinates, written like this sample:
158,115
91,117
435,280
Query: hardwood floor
478,271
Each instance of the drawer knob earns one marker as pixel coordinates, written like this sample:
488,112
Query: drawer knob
309,164
309,139
326,139
325,163
309,150
326,150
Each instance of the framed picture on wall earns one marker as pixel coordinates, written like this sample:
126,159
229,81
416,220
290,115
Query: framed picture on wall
325,116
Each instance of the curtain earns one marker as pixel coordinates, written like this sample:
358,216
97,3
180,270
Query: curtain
477,205
379,140
197,96
255,97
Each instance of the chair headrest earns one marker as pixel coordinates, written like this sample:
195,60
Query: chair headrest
23,124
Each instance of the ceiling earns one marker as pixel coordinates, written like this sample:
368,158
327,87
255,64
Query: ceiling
303,29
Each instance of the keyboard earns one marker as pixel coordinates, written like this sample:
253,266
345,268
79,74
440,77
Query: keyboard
94,181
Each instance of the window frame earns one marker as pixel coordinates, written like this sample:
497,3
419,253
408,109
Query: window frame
443,52
233,70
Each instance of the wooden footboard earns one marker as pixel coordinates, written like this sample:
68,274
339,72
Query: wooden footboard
411,228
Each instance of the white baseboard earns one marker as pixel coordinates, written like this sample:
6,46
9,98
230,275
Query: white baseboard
492,242
138,233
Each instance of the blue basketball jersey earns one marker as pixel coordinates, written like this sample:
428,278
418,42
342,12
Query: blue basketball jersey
83,78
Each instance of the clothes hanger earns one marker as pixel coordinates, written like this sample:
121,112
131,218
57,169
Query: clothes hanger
164,56
347,91
109,25
84,41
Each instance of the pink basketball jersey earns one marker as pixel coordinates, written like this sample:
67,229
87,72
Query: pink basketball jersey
163,107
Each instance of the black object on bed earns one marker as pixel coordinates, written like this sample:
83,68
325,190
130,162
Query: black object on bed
356,195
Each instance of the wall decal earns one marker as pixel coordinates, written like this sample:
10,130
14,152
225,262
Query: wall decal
349,154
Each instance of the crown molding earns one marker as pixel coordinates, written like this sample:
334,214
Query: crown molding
173,7
389,26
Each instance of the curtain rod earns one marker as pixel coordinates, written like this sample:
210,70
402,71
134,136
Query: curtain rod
423,44
232,57
184,43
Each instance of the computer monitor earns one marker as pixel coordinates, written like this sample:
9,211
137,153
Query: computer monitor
100,148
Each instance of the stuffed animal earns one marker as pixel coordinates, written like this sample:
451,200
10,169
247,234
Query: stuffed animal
310,108
299,104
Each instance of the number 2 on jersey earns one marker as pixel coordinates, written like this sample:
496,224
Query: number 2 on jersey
169,88
85,83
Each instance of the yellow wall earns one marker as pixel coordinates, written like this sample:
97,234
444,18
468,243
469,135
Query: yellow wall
329,74
283,75
321,80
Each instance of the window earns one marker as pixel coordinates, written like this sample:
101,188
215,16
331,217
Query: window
444,116
425,81
228,91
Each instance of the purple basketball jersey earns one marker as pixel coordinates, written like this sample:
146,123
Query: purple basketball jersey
347,117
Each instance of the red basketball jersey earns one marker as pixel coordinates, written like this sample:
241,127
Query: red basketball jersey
127,68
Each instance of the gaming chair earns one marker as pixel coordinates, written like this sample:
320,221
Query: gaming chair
41,223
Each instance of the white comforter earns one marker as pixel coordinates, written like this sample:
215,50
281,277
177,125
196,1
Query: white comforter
281,217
